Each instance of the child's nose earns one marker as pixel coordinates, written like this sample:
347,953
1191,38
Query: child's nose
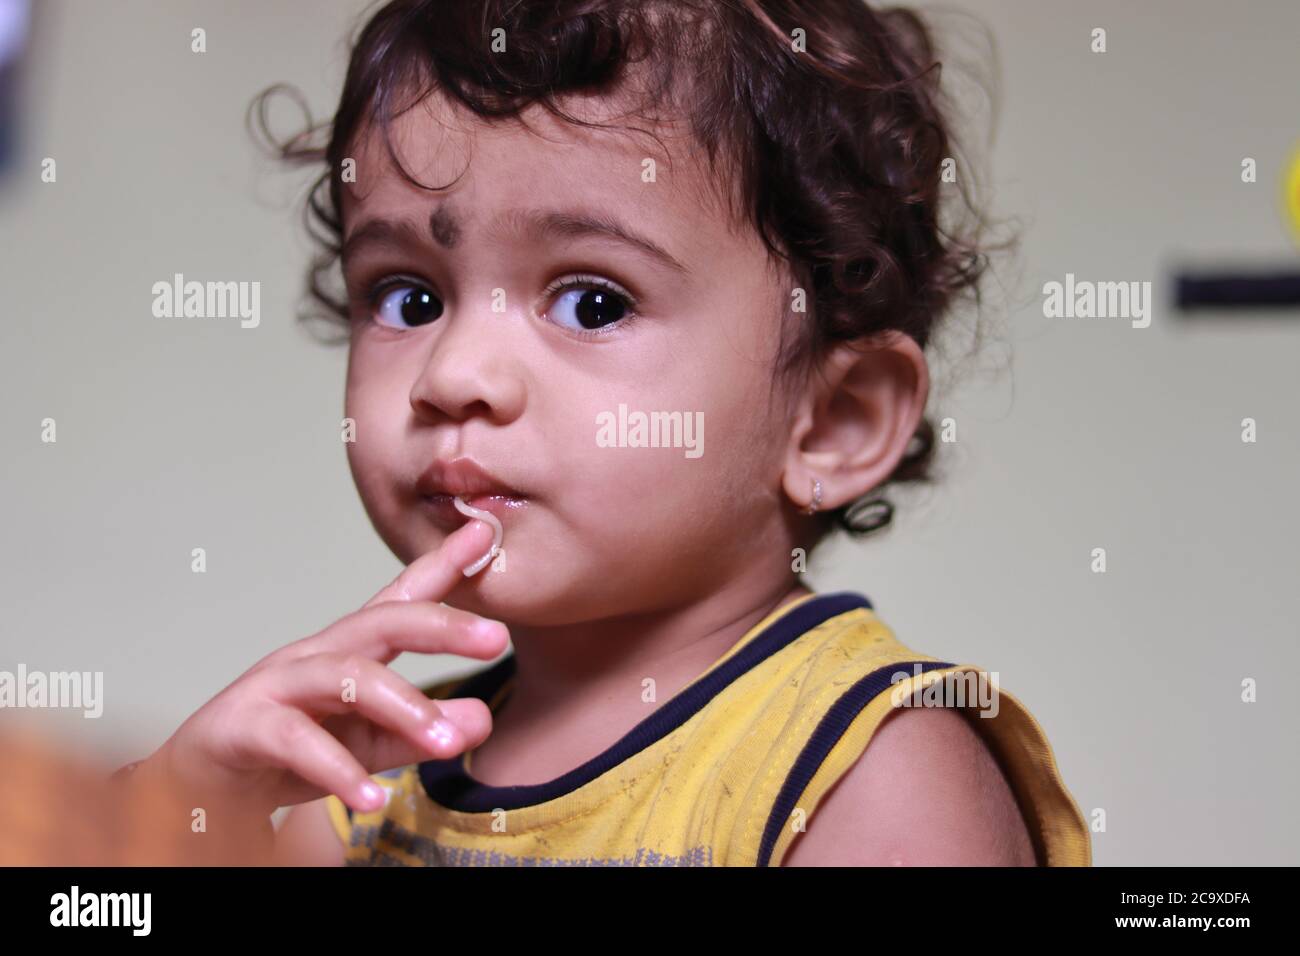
470,370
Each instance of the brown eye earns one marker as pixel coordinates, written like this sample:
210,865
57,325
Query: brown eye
587,306
407,306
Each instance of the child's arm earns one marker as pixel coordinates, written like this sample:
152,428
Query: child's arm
927,791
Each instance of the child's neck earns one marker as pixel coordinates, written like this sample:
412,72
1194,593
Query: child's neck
578,689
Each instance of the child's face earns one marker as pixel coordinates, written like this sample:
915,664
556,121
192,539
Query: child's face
500,375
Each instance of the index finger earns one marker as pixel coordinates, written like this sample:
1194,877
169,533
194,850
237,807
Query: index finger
432,576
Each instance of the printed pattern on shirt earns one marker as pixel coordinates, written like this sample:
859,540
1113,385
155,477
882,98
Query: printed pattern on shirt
388,836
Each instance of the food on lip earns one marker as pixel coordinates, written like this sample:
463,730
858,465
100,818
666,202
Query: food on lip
498,533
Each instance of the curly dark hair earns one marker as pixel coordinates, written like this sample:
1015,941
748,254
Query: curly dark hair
824,116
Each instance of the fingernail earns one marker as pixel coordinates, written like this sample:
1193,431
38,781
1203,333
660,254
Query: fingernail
376,796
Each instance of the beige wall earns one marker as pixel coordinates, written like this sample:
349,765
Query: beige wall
175,435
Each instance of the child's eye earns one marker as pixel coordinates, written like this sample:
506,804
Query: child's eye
404,305
587,305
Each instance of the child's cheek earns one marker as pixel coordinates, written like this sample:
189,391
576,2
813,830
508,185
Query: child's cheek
372,437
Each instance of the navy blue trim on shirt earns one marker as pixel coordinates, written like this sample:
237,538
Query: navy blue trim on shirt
448,783
829,730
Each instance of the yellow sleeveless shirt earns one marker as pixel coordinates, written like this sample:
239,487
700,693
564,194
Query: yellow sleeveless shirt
723,774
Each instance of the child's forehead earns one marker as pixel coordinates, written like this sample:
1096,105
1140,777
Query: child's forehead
660,182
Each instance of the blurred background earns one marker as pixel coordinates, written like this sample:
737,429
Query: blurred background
1072,434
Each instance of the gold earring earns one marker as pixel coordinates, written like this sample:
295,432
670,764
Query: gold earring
816,498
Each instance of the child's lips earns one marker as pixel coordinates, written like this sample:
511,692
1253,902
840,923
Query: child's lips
466,479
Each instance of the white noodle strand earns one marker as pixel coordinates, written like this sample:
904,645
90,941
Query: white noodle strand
498,533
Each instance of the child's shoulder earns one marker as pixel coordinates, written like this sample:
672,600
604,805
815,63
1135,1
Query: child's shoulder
861,685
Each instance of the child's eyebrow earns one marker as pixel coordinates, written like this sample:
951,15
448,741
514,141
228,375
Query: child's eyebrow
534,224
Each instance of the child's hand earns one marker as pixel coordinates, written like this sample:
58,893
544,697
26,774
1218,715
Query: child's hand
321,714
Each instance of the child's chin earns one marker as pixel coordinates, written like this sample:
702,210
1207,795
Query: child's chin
512,598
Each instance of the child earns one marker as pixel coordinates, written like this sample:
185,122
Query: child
740,203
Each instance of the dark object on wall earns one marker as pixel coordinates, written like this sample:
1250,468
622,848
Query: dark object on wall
1279,289
15,21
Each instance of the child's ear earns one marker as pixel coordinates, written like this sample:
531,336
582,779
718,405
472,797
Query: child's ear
853,424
